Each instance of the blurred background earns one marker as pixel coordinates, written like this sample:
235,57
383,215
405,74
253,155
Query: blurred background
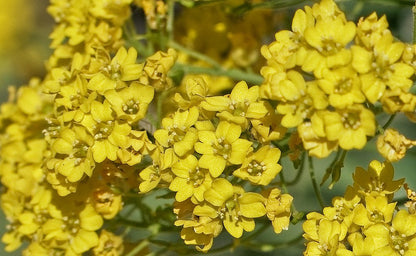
24,47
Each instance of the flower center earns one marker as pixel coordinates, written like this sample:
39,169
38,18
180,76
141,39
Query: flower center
344,86
131,107
398,241
351,120
196,177
222,148
103,130
255,168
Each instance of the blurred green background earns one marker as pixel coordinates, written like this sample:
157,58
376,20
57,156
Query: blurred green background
24,48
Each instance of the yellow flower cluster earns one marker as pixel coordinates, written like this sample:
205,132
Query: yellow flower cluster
366,221
327,73
205,144
68,143
107,127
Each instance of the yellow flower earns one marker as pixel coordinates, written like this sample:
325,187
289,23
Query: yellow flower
381,67
196,88
376,210
130,103
156,67
278,209
235,207
296,112
72,155
343,209
282,86
397,239
350,126
109,244
260,167
242,104
106,202
343,87
122,68
191,181
140,145
178,132
314,139
268,128
371,29
325,238
197,230
158,172
378,180
109,134
221,147
397,100
393,146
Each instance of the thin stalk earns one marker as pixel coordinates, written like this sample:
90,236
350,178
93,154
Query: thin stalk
235,74
159,108
195,54
414,23
138,248
170,20
314,183
279,245
300,171
387,124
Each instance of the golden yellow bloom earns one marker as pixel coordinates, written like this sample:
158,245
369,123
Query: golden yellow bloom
342,209
191,181
109,244
325,237
260,167
397,100
235,207
106,202
378,180
268,128
197,230
120,69
156,67
397,239
350,127
278,209
178,131
221,147
196,88
159,171
130,103
393,146
376,210
314,139
72,154
242,104
343,87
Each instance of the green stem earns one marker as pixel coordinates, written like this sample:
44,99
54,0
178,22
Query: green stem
414,23
300,171
314,183
274,246
195,54
170,20
387,124
235,74
159,108
138,248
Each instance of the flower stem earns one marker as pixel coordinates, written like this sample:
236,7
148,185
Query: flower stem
314,183
414,23
138,248
195,54
235,74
